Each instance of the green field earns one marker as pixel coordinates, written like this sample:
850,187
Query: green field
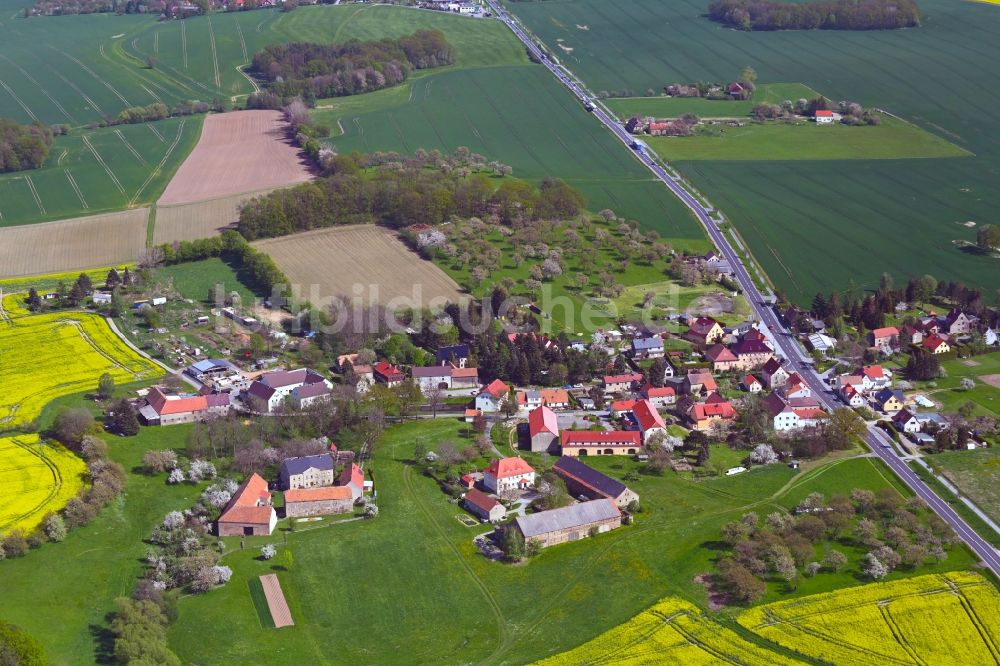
661,106
193,279
867,216
442,602
96,171
975,473
804,140
985,396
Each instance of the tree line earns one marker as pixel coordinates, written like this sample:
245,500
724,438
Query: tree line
23,147
821,15
160,111
310,71
360,190
259,267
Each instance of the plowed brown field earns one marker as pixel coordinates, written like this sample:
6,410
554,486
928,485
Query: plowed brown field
238,152
363,260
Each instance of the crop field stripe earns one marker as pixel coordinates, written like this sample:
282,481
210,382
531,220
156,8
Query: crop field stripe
104,164
898,634
98,78
20,102
152,128
156,42
215,56
243,44
57,481
34,193
82,94
45,92
128,145
76,188
184,45
159,167
981,628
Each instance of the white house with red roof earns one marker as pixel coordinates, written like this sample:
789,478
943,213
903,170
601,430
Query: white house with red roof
875,377
751,384
825,117
388,374
486,507
936,344
508,474
352,477
704,415
796,387
164,409
852,396
773,374
886,339
721,358
660,396
601,442
543,429
621,383
493,396
648,419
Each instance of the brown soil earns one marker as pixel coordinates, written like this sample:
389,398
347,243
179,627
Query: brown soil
992,380
238,152
280,613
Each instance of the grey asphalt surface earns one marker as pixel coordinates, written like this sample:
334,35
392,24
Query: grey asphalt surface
878,440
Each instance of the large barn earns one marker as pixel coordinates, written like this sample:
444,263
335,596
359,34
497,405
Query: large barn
570,523
249,512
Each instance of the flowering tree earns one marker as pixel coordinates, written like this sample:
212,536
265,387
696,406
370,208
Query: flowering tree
763,454
873,568
176,476
268,551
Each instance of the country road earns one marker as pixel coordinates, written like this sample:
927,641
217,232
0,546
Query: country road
785,343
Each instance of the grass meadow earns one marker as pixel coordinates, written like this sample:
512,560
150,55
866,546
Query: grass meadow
661,106
868,216
975,473
443,602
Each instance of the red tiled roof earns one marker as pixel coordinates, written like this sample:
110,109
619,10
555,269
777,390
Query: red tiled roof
542,419
702,326
873,371
651,391
623,405
481,500
887,332
170,405
592,437
501,468
706,380
750,380
473,412
496,388
622,379
934,341
824,114
554,396
647,416
464,373
243,507
352,475
704,410
719,353
318,494
386,369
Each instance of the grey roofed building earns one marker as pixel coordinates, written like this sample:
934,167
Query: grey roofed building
581,479
322,461
574,515
307,471
460,354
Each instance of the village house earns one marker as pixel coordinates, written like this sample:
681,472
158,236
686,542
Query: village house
703,416
543,429
698,382
269,391
508,474
621,383
585,481
646,348
620,408
529,399
493,397
487,508
936,344
648,419
905,421
432,378
825,117
752,353
911,334
472,414
464,378
306,472
889,400
352,477
792,414
364,378
704,331
163,409
455,355
751,384
249,512
885,340
635,125
796,387
958,323
661,397
721,358
600,442
329,501
773,374
875,377
307,395
388,374
569,523
555,398
852,396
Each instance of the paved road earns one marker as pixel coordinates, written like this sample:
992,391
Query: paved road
785,343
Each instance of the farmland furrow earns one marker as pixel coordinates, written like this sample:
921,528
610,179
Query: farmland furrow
129,146
91,103
100,160
19,100
45,92
76,188
151,93
98,78
152,128
215,56
156,42
57,481
159,167
243,44
184,45
34,194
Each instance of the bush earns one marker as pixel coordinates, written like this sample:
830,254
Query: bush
55,527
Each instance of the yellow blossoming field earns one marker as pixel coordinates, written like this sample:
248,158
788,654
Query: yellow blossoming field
671,632
951,618
36,478
57,354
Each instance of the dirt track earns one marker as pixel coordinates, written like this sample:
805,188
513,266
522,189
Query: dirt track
241,151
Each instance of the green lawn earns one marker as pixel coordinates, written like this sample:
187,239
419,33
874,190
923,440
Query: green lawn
194,280
985,396
662,106
975,473
413,580
805,140
811,225
670,297
136,163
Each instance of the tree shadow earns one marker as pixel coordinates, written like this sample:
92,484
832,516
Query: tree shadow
104,643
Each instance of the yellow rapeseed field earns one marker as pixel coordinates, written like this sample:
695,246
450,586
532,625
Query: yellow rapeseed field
671,632
941,619
36,478
48,355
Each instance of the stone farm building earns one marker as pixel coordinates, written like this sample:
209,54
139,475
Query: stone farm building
570,523
329,501
584,481
601,442
249,512
163,409
484,506
307,471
